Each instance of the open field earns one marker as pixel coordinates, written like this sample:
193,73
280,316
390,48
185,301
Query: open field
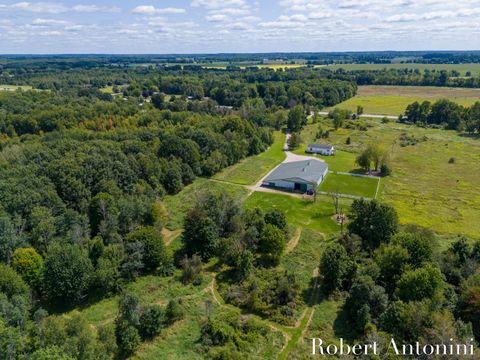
250,170
300,213
304,258
343,161
424,188
474,68
15,87
393,100
178,205
350,185
180,340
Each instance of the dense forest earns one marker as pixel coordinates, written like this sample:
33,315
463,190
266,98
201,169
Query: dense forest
83,176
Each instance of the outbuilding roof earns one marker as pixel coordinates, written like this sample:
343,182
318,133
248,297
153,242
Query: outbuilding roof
320,146
310,171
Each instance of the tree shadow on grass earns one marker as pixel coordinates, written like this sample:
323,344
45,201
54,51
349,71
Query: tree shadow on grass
341,326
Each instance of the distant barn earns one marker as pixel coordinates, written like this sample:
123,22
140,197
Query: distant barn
299,176
321,149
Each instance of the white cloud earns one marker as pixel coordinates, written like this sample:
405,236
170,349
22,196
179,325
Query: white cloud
40,7
49,22
91,8
152,10
218,4
216,18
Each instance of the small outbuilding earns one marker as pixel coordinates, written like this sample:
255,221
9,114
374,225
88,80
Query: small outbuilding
299,176
321,149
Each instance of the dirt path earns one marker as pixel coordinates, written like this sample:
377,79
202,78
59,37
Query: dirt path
169,235
305,321
373,116
293,241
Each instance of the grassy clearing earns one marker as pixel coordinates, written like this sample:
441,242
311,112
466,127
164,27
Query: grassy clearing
343,161
321,326
424,187
350,185
393,100
109,89
15,87
461,68
178,205
179,341
304,258
300,213
252,169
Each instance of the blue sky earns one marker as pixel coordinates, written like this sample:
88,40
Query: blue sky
209,26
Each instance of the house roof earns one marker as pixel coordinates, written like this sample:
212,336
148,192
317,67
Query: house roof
321,146
310,171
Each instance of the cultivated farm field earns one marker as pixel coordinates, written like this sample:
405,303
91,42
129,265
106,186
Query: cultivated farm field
393,100
474,68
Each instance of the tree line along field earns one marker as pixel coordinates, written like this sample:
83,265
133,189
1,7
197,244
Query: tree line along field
425,187
473,68
393,100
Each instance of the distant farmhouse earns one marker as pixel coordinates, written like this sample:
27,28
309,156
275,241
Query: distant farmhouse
299,176
321,149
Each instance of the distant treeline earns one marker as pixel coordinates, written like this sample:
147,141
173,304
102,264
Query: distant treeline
444,113
374,57
410,77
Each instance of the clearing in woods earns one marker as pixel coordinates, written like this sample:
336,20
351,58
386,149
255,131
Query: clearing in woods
393,100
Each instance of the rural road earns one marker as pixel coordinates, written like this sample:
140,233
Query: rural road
366,115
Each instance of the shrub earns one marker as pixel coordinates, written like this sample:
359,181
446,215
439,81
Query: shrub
151,321
451,160
191,269
385,170
174,312
128,338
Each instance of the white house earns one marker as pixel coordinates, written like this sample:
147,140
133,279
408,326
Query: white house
321,149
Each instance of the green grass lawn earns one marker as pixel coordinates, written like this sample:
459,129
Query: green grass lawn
300,213
178,205
343,161
252,169
393,100
350,185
